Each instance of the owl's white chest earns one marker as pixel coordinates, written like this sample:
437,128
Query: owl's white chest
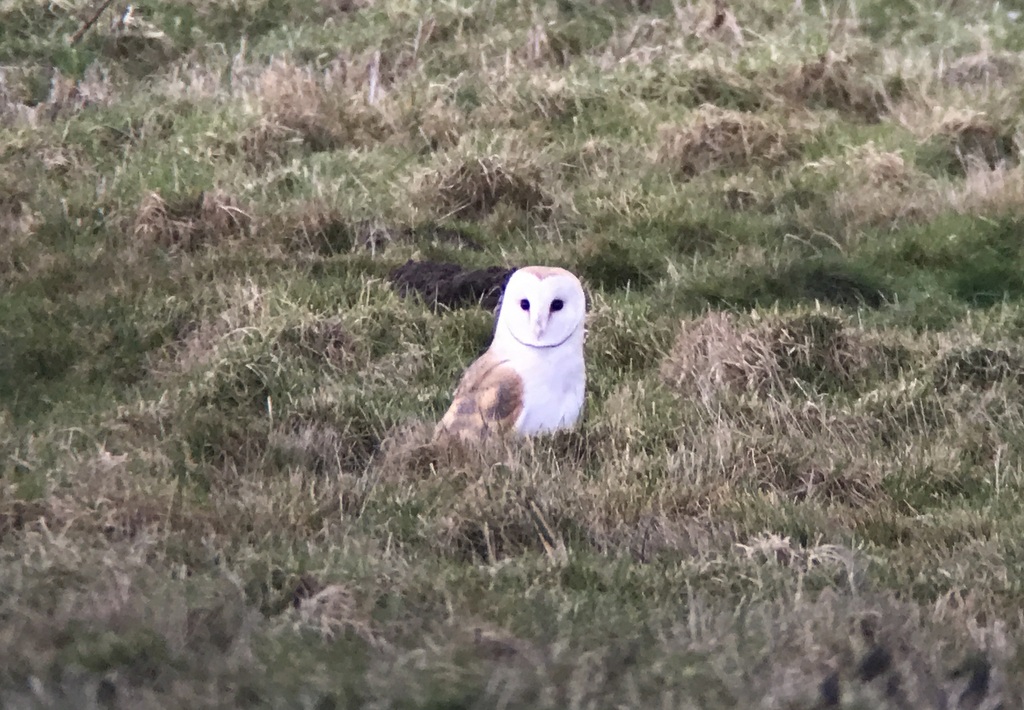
553,392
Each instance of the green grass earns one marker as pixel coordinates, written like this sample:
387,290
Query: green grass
796,484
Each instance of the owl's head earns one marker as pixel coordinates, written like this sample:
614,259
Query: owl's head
541,307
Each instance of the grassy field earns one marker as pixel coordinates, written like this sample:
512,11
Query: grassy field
797,484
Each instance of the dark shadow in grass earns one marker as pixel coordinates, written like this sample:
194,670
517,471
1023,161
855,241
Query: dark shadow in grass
54,352
827,280
612,265
987,279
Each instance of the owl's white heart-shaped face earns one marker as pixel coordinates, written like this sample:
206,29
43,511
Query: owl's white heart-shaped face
542,307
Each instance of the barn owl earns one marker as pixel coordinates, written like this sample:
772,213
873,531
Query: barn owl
532,378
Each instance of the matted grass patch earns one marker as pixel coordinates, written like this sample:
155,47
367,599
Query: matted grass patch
716,139
815,350
473,188
191,222
843,83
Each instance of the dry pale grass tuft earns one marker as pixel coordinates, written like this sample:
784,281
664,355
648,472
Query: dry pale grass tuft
878,188
334,611
412,452
105,498
527,100
988,190
66,97
719,138
712,353
13,94
502,497
975,133
323,229
318,110
490,523
439,124
715,354
190,223
983,69
836,82
201,343
473,188
979,367
808,451
327,339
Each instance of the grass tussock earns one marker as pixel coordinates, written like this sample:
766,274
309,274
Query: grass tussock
982,69
715,353
315,111
191,222
840,83
979,135
475,187
988,190
879,189
718,139
795,481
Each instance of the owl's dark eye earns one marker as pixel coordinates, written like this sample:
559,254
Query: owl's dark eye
525,304
557,305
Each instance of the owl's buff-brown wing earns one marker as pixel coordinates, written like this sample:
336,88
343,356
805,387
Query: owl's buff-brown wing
488,399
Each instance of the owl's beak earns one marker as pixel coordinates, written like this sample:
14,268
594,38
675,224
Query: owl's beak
540,323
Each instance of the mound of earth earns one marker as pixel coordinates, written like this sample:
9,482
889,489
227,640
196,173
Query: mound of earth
447,285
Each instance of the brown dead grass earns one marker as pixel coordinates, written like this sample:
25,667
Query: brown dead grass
838,82
978,367
334,610
983,69
717,138
715,354
323,229
975,133
325,339
201,344
106,499
317,110
989,190
505,496
192,222
66,97
439,125
878,188
474,187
